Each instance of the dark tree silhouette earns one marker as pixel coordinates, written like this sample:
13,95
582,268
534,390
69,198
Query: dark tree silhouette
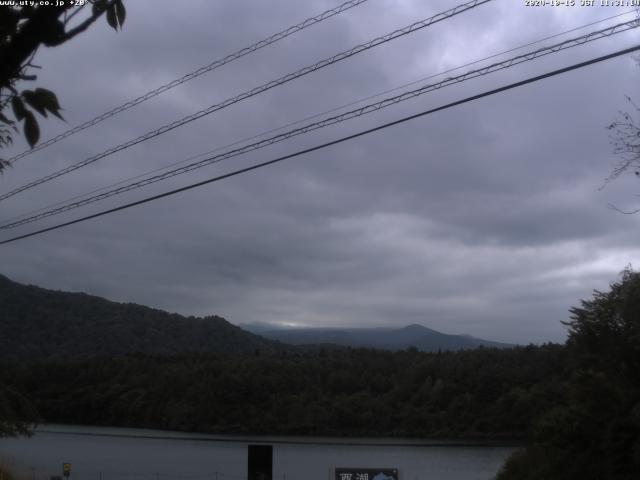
593,428
625,139
23,29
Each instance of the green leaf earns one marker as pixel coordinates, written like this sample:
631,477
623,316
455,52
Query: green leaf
48,100
18,108
34,101
121,12
43,100
98,7
112,18
31,129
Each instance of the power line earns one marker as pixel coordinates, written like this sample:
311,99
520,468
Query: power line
267,86
333,120
31,214
196,73
596,35
333,142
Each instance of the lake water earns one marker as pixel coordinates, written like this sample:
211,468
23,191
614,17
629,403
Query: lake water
130,454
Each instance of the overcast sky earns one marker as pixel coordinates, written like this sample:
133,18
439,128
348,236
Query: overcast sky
485,219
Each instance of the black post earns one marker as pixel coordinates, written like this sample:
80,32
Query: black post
260,462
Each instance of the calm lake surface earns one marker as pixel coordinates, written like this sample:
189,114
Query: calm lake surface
130,454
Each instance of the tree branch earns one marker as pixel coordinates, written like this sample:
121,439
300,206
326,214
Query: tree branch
83,26
73,14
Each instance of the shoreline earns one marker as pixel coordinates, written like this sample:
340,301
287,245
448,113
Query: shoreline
151,434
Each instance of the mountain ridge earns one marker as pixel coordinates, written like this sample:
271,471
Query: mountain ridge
385,338
38,323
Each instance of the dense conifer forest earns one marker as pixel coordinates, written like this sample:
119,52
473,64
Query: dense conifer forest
484,393
577,406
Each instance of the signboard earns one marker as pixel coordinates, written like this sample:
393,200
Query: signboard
66,469
366,474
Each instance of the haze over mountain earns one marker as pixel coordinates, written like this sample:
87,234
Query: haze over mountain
36,323
421,337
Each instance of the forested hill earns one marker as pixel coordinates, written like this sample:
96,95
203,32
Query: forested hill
578,404
36,323
482,393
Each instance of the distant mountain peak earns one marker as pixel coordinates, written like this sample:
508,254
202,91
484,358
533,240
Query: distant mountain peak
415,327
385,338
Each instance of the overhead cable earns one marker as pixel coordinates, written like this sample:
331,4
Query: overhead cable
328,144
255,91
311,117
196,73
574,42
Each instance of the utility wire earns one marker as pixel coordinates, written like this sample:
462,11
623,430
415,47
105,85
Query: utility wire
607,32
333,142
267,86
196,73
311,117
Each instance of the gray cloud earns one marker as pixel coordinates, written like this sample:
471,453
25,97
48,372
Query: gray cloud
483,219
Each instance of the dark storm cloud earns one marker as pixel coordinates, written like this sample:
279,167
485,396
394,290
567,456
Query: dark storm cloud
484,219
